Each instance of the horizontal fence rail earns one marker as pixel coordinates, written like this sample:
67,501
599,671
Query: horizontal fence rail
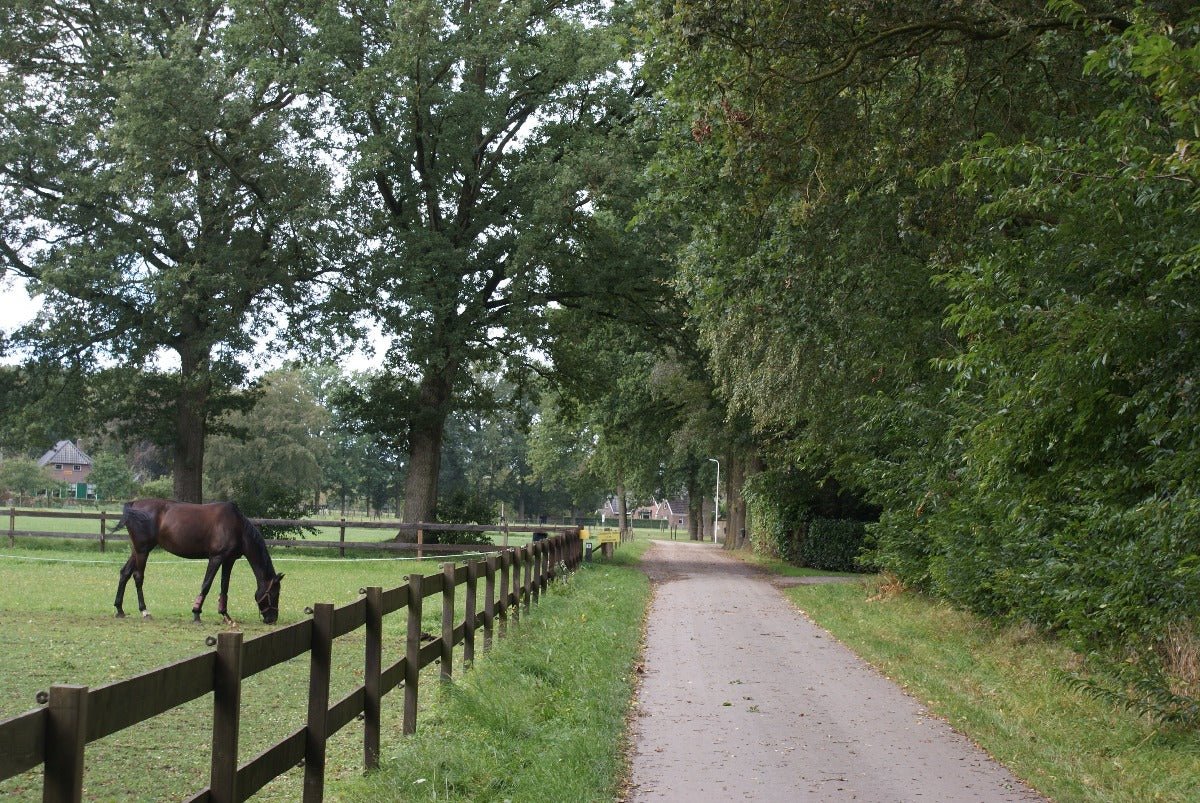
417,530
55,736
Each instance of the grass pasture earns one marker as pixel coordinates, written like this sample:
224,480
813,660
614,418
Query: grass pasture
57,626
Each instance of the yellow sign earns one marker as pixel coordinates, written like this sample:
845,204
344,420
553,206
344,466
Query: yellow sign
603,535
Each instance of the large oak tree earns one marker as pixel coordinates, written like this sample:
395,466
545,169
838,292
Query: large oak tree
472,129
158,190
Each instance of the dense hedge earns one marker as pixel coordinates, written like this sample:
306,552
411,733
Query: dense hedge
832,544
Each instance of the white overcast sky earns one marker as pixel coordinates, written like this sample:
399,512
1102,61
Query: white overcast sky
16,307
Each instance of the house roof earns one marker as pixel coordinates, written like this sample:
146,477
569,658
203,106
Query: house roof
65,452
677,507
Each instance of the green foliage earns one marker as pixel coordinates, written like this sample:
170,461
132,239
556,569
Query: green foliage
1075,499
953,266
474,138
271,465
160,191
158,488
777,505
461,507
833,544
112,476
22,476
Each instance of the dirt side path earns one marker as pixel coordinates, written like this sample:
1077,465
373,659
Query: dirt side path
745,699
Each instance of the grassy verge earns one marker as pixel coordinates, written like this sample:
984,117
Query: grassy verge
1002,687
541,716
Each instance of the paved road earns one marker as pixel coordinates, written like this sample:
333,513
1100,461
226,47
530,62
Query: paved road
744,699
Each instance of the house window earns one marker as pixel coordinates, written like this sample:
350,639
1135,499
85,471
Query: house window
77,468
58,466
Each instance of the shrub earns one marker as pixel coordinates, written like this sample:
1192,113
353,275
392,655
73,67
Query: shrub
833,545
158,488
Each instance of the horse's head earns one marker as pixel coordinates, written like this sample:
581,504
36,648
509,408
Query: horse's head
268,599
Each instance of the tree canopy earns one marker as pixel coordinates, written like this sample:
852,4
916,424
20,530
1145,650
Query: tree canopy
159,189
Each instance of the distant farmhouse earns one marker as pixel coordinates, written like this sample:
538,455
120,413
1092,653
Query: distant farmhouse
672,511
69,464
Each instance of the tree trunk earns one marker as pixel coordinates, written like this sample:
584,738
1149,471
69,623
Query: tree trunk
622,511
735,505
425,433
191,422
695,510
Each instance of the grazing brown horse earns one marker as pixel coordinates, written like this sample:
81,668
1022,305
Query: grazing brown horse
217,532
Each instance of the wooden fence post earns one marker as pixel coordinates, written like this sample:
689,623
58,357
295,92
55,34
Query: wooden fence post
472,607
447,620
505,563
342,538
12,527
527,584
66,736
227,698
103,528
544,564
420,542
489,600
518,557
538,571
373,669
412,652
318,702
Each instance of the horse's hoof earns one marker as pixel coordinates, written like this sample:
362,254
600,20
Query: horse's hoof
120,614
146,615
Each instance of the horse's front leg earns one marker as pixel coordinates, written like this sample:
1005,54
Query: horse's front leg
209,574
126,573
223,599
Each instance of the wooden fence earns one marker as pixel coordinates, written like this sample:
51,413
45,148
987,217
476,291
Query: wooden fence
418,530
56,735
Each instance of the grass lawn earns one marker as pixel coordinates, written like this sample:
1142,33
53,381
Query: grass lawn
1002,687
539,718
57,626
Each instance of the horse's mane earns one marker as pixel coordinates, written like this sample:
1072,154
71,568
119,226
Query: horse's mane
132,517
253,538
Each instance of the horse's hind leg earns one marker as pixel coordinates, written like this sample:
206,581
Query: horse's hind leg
139,574
213,564
126,573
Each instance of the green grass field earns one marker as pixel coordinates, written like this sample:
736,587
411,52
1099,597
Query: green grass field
57,626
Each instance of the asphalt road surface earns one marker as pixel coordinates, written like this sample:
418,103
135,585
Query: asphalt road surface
742,698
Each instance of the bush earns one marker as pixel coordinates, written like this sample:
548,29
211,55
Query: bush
460,507
158,488
833,545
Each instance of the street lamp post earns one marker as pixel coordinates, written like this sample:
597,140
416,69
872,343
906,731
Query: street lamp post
716,497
